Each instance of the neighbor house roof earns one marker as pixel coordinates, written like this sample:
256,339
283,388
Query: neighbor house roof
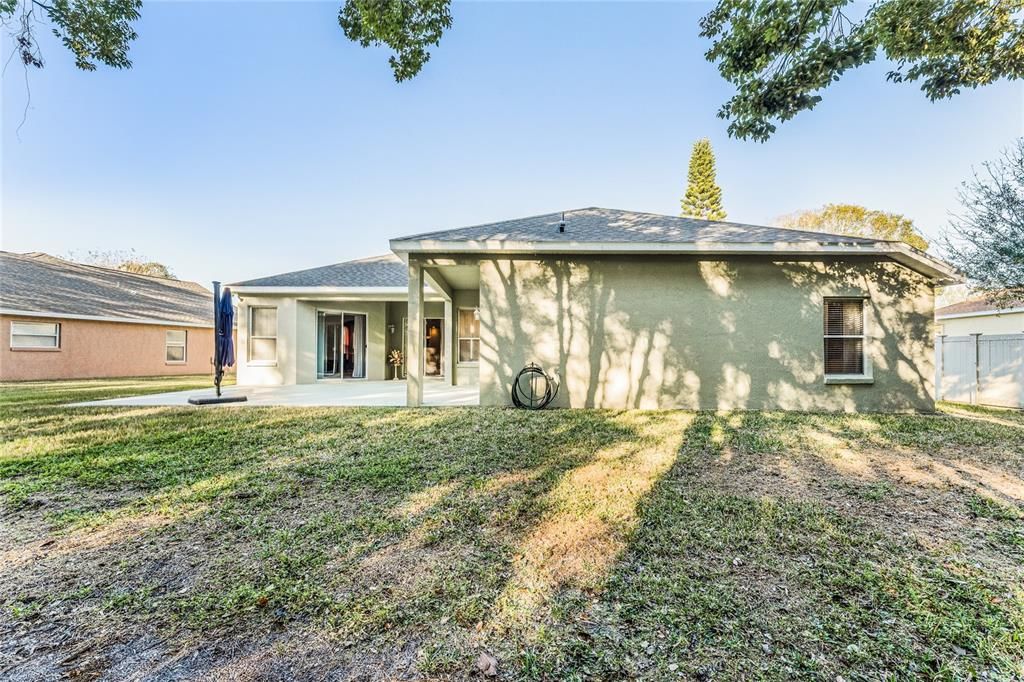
37,284
387,271
605,230
978,306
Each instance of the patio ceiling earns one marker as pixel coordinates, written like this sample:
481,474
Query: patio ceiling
461,276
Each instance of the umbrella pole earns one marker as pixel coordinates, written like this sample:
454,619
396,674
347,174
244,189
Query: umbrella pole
218,369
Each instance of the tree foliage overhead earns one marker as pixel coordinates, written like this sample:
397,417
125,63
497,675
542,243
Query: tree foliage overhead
95,31
857,221
780,55
986,240
703,198
101,31
408,27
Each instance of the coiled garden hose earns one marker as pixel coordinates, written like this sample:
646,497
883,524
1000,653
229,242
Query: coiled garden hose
533,389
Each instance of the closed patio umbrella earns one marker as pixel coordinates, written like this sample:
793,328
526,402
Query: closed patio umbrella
225,323
223,346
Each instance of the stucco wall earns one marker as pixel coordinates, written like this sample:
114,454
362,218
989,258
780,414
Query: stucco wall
283,370
1007,323
297,339
681,332
91,349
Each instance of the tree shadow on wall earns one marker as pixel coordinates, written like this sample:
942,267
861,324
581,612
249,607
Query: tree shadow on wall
703,334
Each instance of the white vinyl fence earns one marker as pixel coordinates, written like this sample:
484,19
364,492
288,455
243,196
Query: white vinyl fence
981,369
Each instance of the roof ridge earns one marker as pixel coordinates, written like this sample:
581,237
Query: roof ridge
370,263
737,224
61,287
835,238
836,234
982,300
321,267
390,255
493,222
34,256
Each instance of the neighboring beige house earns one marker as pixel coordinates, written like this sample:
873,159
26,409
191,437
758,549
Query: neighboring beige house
64,320
624,309
980,353
978,316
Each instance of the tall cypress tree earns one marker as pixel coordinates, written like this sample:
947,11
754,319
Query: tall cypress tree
703,195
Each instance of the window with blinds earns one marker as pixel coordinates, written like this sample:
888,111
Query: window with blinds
263,335
35,335
844,336
175,343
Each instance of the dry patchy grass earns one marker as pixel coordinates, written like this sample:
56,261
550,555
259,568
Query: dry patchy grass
380,544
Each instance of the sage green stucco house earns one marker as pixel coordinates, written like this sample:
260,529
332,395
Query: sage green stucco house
624,309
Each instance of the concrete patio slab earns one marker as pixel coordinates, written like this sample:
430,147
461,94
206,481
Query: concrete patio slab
352,393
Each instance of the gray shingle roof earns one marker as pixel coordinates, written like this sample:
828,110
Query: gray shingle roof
978,304
613,225
582,225
377,271
37,282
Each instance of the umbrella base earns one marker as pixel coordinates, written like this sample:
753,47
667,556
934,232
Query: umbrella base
214,400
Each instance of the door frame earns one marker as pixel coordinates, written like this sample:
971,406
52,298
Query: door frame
423,340
423,336
366,335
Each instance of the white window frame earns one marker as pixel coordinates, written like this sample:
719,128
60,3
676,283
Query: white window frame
250,336
459,338
55,336
183,345
866,376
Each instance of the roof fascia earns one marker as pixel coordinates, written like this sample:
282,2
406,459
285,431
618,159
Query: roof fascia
916,260
102,318
981,313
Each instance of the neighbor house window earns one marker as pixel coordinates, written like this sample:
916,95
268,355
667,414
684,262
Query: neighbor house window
35,335
844,336
174,345
469,335
262,335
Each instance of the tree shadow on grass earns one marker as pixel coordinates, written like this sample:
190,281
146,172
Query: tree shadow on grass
753,558
393,544
371,525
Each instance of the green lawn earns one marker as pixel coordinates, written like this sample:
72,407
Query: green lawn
384,544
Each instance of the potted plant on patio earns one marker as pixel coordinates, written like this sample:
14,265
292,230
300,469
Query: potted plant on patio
395,358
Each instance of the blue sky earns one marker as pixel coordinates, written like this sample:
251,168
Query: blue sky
256,130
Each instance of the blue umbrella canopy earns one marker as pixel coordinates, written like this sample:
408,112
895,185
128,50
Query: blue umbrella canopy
225,323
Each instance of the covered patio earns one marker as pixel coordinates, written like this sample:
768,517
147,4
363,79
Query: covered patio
341,393
457,282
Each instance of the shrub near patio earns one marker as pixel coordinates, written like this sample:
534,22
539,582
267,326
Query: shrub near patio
401,544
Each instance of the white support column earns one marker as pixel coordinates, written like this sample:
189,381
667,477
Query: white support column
451,347
414,361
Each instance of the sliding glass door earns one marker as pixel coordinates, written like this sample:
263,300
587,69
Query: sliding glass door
354,346
341,345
